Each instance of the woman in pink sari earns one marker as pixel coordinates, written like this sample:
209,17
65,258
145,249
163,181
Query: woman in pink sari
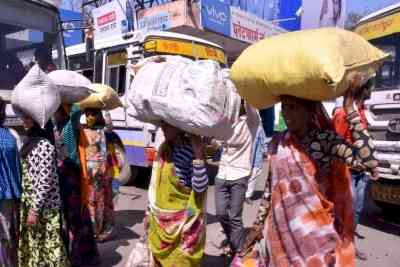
305,217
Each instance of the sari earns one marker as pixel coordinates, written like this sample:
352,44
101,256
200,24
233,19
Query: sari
307,217
96,182
310,222
177,222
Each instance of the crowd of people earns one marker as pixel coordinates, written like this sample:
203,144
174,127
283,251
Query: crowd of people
56,194
316,169
56,197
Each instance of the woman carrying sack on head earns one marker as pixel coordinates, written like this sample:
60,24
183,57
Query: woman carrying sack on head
305,217
96,158
80,235
40,242
177,195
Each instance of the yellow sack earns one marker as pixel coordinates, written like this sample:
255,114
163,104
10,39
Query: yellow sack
312,64
102,97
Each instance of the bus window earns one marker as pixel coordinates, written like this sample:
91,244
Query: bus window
116,71
385,77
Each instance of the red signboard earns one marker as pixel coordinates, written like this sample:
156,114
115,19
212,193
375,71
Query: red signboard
106,18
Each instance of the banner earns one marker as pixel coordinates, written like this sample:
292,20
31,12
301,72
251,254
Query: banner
110,19
215,16
249,28
162,17
323,13
71,22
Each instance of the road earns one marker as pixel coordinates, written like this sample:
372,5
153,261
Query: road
382,242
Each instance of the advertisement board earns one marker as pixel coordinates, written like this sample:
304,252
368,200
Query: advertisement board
215,16
323,13
250,28
288,14
71,22
110,19
162,17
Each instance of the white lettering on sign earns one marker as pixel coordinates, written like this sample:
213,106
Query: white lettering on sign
215,16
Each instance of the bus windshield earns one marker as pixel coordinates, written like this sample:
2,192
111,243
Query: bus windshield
388,76
24,38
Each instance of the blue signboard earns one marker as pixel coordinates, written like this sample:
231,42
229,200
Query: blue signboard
215,16
70,21
288,10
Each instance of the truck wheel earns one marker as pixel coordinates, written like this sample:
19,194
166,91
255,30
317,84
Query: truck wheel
125,169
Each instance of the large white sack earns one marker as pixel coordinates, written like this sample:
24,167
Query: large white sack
36,96
192,96
73,86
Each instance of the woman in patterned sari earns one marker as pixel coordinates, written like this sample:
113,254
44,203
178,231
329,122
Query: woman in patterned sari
177,196
40,241
97,173
305,217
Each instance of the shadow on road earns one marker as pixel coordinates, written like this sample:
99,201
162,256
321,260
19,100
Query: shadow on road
210,260
124,220
387,220
211,218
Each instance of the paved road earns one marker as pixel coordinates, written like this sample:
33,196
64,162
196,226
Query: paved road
382,243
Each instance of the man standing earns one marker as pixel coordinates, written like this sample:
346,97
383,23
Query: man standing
257,160
359,179
233,175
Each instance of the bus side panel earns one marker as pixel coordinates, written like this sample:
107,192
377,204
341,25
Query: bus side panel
135,146
136,156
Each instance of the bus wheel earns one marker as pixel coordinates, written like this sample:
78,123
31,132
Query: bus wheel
124,168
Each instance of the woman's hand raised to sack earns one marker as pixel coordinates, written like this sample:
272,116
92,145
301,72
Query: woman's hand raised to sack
198,147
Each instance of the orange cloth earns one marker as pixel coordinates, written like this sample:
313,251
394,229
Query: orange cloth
341,125
332,213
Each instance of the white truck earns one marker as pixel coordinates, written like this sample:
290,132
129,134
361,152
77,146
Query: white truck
384,106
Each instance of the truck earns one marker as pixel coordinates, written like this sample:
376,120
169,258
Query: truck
383,108
108,62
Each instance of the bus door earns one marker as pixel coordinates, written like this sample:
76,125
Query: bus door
115,75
